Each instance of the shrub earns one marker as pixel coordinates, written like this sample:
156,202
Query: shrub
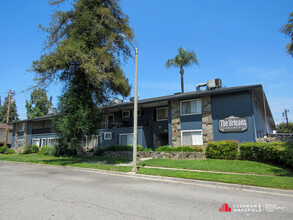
168,148
222,150
278,153
9,151
45,150
123,148
98,152
3,149
30,149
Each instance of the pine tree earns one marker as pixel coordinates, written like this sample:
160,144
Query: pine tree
38,105
13,116
84,51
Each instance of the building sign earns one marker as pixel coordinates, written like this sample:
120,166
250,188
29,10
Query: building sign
233,124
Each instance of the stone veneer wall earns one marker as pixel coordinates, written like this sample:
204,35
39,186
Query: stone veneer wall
16,136
24,134
157,155
176,125
207,120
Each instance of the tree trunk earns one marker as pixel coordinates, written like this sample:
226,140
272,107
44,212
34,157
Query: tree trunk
182,81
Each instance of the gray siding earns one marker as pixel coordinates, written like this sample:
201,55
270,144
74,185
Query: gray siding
191,122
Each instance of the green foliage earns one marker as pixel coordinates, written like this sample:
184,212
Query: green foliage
3,149
184,58
284,128
38,105
9,151
288,31
13,116
222,150
85,50
168,148
46,150
30,149
123,148
277,153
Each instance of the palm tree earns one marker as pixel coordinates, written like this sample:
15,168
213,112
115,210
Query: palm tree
183,58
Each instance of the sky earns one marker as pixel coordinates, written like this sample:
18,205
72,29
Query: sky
237,41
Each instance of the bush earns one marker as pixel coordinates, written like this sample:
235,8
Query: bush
9,151
278,153
3,149
98,152
30,149
222,150
123,148
168,148
46,150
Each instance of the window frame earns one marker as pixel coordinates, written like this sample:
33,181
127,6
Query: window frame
128,115
23,127
157,110
37,139
124,134
196,130
50,139
189,100
109,138
20,140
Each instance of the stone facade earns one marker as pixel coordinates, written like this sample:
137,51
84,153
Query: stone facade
24,134
176,125
16,136
207,120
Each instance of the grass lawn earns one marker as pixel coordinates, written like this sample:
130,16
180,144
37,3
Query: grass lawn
93,162
263,181
235,166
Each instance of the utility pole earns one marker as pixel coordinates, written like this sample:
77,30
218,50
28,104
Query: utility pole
285,114
7,118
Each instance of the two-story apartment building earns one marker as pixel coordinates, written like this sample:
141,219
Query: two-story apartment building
194,118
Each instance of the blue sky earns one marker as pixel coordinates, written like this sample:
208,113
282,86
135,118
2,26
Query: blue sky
237,41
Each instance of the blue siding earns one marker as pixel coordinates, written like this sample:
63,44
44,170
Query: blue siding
191,122
169,123
240,105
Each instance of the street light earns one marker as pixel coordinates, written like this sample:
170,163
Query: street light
134,163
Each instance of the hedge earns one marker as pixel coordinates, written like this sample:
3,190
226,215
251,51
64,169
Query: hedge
168,148
222,150
123,148
277,153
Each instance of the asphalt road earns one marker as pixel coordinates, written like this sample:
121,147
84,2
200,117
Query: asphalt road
48,192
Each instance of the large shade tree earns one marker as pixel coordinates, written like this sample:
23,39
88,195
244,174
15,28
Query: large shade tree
182,59
84,50
288,31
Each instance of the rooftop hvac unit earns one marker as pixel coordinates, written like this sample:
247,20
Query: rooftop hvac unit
52,111
117,101
214,83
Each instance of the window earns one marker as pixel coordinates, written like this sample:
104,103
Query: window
125,114
21,127
162,114
52,142
126,139
139,112
20,143
108,136
191,137
190,107
44,142
36,141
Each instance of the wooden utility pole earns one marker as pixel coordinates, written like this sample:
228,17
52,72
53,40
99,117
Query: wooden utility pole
7,118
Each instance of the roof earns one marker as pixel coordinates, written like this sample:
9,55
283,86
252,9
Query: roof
195,94
34,119
3,126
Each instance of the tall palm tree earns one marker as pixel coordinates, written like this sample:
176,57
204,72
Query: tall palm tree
183,58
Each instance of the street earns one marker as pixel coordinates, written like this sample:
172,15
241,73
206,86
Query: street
30,191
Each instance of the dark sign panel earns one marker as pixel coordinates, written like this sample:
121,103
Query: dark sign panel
233,124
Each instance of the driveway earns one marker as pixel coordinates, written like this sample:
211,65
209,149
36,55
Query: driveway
30,191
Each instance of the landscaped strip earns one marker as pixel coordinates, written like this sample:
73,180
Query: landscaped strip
263,181
235,166
93,163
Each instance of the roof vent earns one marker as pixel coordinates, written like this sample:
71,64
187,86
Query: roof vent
52,111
